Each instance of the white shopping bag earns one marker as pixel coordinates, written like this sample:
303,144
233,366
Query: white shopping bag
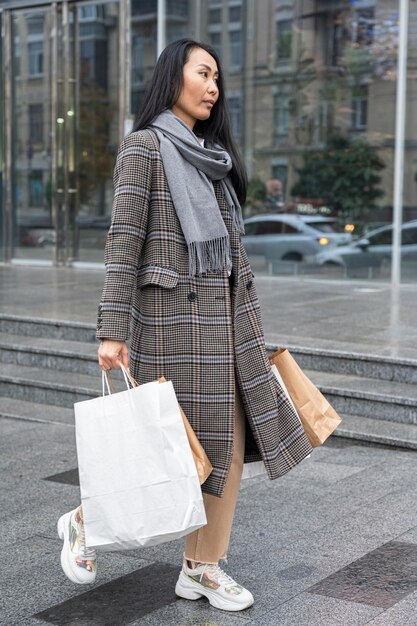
139,483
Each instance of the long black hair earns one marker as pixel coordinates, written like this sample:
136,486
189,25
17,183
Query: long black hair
163,91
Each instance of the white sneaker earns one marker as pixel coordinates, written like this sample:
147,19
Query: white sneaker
78,562
211,581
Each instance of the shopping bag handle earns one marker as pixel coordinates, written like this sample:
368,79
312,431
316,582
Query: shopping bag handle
108,383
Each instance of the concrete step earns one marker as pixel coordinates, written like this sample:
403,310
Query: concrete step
41,327
350,395
403,370
377,431
47,386
55,363
26,410
47,352
395,369
377,399
352,426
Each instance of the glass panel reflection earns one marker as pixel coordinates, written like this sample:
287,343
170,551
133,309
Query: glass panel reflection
33,233
409,231
311,88
2,156
96,134
330,153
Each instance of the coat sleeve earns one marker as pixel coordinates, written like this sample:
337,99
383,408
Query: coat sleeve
132,180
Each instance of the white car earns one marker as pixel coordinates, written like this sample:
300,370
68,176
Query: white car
291,237
374,251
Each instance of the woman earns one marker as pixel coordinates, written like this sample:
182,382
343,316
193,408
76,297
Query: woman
176,272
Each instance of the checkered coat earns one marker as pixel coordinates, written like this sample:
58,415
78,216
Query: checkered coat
195,332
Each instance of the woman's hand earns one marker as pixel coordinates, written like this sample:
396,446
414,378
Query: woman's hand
111,353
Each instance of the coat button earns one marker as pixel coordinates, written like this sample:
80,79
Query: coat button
191,296
249,284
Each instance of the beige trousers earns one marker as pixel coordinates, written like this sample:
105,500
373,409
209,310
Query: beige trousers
209,544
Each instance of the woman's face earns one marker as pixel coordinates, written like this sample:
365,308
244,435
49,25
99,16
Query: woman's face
199,91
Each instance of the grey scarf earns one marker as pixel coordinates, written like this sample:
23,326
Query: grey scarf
190,168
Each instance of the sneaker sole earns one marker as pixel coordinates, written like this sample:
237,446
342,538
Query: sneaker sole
190,590
62,528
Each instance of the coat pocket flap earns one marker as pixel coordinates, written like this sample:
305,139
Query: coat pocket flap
156,275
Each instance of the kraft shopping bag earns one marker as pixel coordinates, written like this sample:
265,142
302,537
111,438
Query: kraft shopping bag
139,483
317,416
202,463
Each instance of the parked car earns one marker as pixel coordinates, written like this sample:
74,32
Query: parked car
373,251
288,237
85,220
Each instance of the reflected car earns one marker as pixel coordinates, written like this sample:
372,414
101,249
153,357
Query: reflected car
288,237
33,237
373,251
85,220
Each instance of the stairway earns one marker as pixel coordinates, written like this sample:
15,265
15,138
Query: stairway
375,396
46,366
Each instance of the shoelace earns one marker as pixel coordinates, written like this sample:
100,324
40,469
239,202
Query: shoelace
221,576
85,552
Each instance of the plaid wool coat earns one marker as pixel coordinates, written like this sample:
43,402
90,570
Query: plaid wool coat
196,332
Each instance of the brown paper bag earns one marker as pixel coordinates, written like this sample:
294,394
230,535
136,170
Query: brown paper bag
317,416
203,465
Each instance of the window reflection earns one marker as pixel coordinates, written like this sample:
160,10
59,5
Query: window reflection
311,89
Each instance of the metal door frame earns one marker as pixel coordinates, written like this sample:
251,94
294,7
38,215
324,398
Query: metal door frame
7,171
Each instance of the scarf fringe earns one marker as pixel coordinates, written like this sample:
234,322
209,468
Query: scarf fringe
212,255
237,220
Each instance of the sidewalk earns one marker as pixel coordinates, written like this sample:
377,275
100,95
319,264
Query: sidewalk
332,543
352,316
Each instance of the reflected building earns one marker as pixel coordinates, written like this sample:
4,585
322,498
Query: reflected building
297,72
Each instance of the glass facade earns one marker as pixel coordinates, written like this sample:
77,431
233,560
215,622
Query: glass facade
312,89
31,74
2,164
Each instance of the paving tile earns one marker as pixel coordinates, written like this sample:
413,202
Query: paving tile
364,529
326,471
196,613
404,613
409,536
35,451
277,541
380,578
69,477
307,610
29,621
31,578
34,509
315,506
171,552
274,574
364,455
121,601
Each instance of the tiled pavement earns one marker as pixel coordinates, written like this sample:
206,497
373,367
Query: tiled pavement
334,542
